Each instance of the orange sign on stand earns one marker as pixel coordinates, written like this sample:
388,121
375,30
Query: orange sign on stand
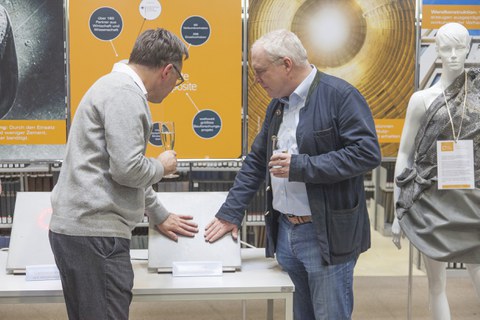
207,107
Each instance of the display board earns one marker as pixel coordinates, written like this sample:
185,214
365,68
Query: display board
33,109
163,252
436,13
369,43
29,244
207,107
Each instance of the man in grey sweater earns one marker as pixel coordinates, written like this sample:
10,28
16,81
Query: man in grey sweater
105,183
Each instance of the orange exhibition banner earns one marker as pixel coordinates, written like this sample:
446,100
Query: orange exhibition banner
207,107
434,15
26,132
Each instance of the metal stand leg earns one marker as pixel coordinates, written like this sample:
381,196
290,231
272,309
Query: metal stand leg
244,309
410,280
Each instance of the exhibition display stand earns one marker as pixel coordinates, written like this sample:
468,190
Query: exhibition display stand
260,278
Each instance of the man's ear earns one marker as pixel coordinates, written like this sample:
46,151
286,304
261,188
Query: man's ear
287,63
165,70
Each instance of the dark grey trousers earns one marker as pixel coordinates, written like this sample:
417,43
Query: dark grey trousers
96,274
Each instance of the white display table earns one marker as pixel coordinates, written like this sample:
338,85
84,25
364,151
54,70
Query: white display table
260,278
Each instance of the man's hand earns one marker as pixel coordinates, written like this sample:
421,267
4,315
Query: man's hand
280,165
178,225
397,233
169,161
218,228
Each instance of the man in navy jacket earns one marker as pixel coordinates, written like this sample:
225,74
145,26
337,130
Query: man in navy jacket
316,219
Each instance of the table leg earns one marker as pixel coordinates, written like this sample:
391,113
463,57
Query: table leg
289,308
270,309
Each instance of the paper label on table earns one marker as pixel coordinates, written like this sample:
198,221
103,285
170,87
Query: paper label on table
42,272
197,268
455,164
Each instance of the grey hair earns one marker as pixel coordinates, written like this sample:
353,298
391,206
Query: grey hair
459,35
282,43
157,48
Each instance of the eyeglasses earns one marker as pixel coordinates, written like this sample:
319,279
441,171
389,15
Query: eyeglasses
180,80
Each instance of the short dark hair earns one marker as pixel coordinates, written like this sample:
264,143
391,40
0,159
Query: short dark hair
157,48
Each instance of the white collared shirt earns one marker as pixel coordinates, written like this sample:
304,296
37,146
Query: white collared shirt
291,197
123,67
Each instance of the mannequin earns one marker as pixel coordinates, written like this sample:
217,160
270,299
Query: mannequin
452,45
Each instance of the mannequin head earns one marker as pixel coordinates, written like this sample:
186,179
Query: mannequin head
452,45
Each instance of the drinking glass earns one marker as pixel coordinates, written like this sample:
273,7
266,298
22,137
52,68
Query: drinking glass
277,148
167,135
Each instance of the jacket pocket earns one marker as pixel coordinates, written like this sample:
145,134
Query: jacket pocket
345,231
324,141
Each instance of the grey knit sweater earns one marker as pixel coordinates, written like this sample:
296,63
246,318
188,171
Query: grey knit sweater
105,182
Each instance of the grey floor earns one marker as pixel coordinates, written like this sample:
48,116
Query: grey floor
381,291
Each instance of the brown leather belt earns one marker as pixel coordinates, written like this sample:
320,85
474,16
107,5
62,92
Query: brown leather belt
298,219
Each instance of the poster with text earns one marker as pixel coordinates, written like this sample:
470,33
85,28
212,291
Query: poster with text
207,108
436,13
33,108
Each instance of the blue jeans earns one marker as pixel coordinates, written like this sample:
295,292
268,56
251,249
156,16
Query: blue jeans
322,292
96,274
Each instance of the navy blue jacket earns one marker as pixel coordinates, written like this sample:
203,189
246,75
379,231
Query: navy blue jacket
337,145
